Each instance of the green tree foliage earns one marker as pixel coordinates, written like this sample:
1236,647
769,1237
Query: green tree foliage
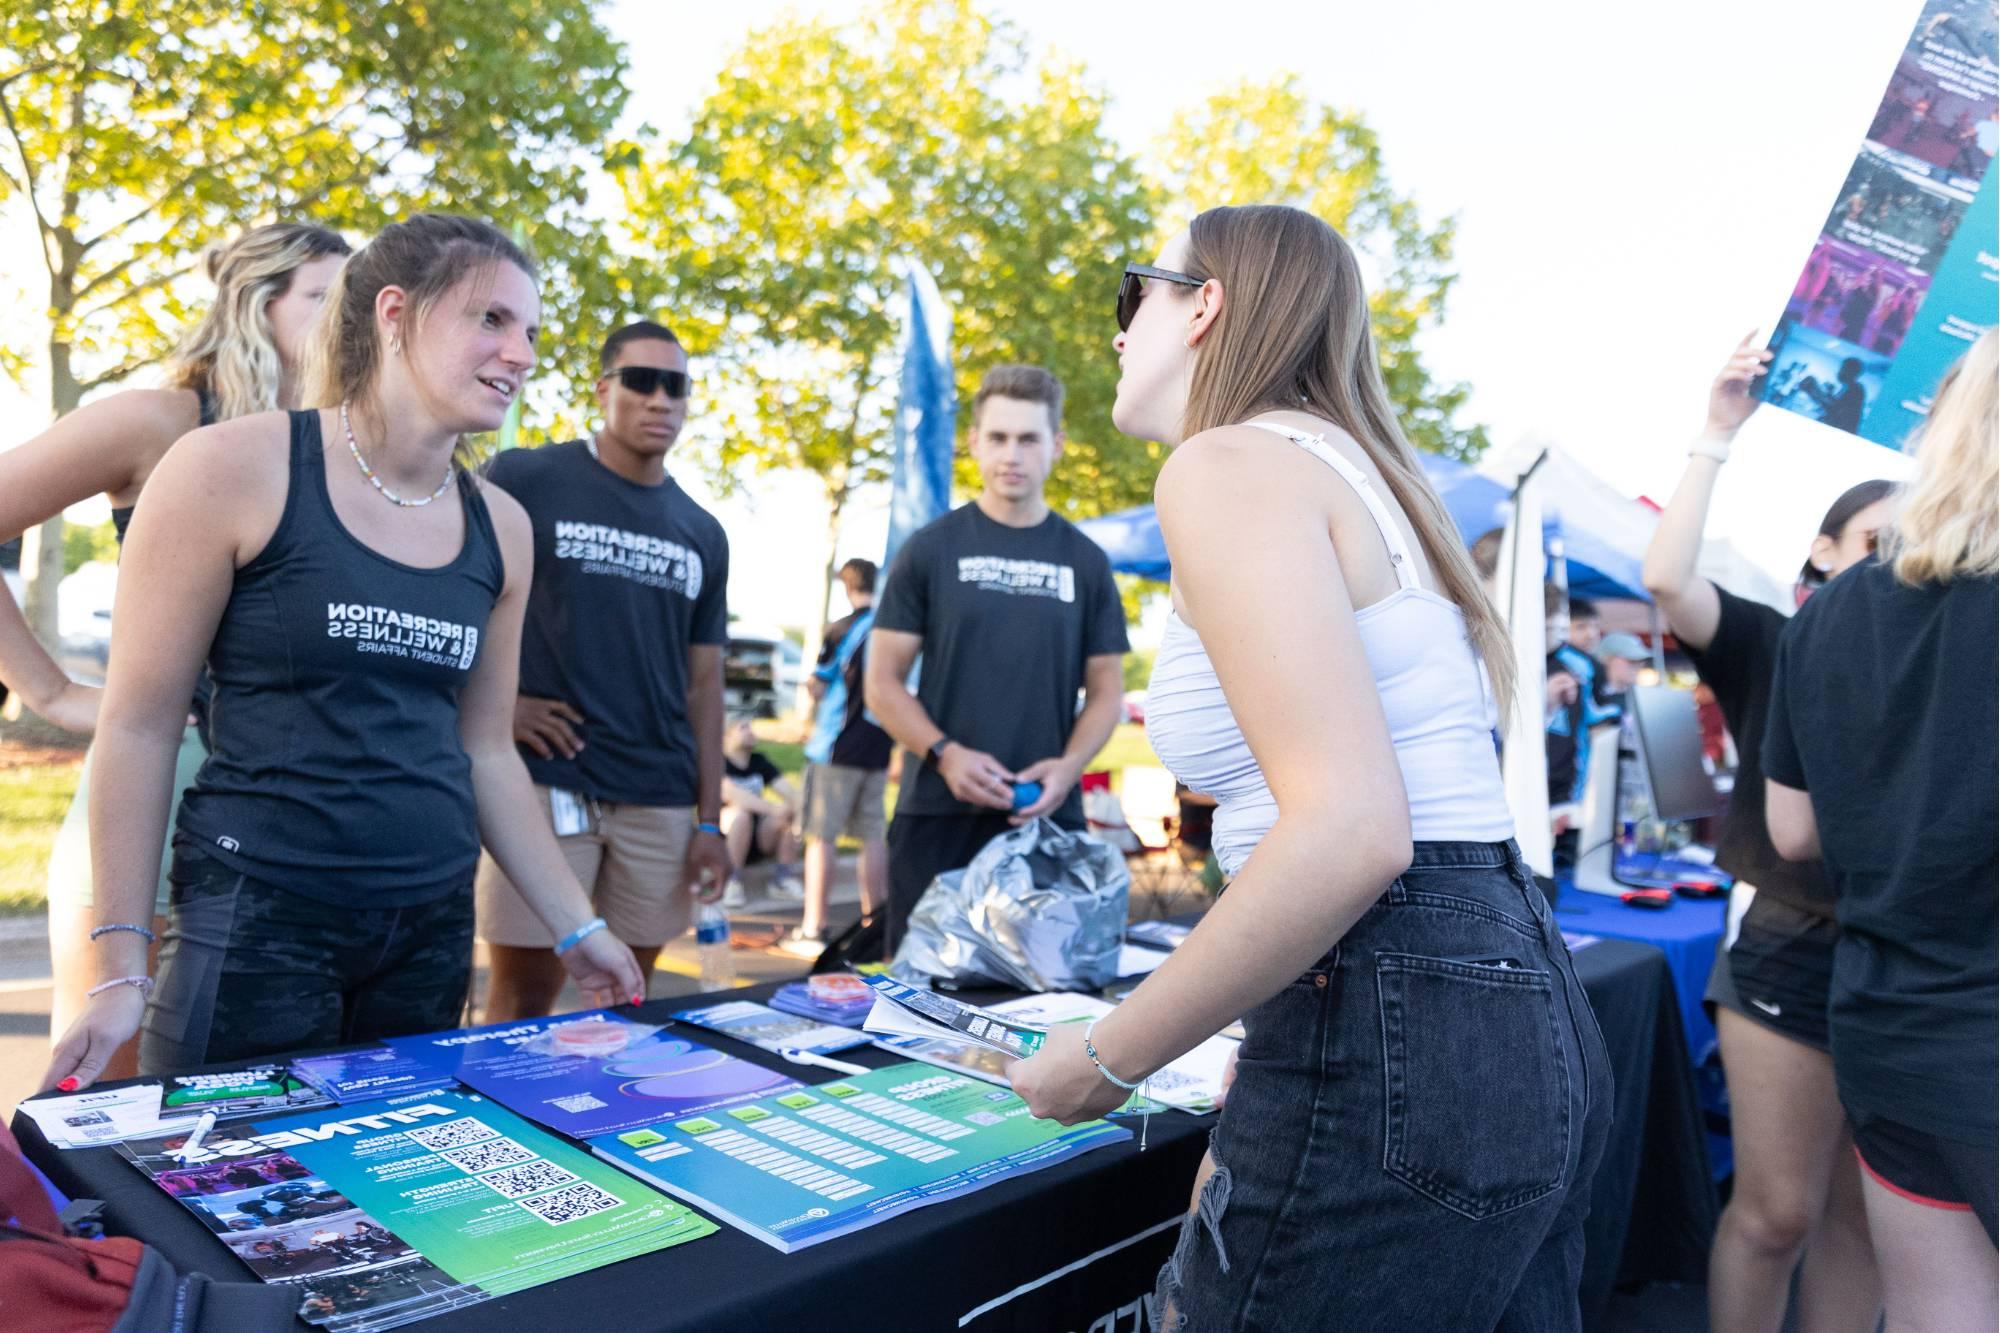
1268,143
826,155
136,134
83,545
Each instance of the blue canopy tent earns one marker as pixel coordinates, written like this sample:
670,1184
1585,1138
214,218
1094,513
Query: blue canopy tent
1598,566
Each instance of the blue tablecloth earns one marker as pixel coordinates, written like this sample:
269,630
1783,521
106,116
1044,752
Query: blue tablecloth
1688,933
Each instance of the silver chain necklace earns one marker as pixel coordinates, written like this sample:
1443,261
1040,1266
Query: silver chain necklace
376,481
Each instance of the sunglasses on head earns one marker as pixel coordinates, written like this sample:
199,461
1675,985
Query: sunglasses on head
645,380
1132,289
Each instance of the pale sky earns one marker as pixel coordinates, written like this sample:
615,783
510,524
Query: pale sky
1636,186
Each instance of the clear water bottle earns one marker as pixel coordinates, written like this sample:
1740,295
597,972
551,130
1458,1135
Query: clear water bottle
711,936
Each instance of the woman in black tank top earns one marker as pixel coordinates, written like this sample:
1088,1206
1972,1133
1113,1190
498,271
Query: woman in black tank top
241,357
364,599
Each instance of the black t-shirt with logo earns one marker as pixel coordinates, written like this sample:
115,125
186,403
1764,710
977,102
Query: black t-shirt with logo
627,579
1008,617
1737,665
337,772
756,775
1883,711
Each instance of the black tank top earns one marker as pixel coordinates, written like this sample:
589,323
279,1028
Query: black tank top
121,515
336,769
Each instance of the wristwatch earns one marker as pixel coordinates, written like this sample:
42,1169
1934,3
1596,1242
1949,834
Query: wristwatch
935,754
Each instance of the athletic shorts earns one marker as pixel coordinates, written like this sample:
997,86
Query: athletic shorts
629,861
1777,971
843,801
1925,1169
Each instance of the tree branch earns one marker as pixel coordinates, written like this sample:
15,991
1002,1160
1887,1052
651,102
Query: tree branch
28,168
115,374
261,148
157,280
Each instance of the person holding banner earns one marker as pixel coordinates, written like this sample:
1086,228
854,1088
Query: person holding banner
242,356
1422,1094
1880,757
364,641
1797,1202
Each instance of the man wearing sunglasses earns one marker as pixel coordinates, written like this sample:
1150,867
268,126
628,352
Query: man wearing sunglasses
619,714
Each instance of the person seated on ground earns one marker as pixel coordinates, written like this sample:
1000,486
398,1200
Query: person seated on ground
759,813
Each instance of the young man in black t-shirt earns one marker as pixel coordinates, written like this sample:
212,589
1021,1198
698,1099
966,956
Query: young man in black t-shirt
1013,611
620,709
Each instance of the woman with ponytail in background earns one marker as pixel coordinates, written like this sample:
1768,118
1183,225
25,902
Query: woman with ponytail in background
242,357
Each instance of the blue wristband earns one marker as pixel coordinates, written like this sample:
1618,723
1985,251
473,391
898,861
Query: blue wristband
714,829
582,932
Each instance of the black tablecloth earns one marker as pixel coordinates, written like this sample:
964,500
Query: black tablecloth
1073,1247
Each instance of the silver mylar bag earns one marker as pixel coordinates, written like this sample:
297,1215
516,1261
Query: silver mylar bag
1040,908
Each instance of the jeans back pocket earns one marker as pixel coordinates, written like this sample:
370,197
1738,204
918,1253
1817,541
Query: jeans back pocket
1477,1104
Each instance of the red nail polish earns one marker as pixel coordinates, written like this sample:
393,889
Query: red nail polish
638,999
67,1085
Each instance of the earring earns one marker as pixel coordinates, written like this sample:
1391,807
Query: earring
395,344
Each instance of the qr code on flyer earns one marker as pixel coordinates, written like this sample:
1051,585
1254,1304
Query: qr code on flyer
485,1156
578,1201
514,1181
451,1134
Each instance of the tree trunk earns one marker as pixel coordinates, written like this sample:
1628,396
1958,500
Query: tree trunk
42,547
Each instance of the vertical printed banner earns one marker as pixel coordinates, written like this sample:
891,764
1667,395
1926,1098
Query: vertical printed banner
1903,276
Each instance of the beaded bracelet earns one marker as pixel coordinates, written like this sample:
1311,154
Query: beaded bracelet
1090,1050
145,985
151,938
582,932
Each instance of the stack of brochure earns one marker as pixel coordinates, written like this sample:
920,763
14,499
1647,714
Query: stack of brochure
764,1027
386,1212
1192,1083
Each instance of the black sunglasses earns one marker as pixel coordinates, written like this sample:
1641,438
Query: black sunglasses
1132,289
645,380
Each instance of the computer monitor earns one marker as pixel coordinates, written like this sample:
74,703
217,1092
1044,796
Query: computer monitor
1670,741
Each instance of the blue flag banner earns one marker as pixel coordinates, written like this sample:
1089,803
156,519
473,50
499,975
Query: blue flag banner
926,414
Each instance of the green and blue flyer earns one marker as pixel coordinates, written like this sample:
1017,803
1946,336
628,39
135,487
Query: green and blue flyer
385,1212
806,1166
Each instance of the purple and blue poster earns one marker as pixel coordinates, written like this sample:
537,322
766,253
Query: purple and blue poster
1904,276
594,1072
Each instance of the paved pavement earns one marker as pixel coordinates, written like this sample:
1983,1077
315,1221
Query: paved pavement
24,973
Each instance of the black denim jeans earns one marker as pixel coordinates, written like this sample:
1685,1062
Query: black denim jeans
1414,1124
248,969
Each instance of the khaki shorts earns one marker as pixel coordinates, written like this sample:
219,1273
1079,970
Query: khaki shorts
629,862
842,800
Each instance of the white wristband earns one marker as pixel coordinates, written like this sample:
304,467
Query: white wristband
1709,446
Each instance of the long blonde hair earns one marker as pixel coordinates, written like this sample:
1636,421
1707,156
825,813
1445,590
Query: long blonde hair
230,354
1947,526
1293,336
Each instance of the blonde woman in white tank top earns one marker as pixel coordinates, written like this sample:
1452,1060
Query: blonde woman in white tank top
1422,1094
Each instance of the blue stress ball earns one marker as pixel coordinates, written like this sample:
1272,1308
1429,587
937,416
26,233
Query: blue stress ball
1026,794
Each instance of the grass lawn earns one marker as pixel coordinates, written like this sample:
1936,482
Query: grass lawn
32,801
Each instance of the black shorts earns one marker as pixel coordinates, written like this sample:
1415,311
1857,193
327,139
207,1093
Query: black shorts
1779,971
1925,1169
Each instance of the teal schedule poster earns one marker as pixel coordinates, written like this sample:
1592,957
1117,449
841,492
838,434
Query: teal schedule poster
806,1166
